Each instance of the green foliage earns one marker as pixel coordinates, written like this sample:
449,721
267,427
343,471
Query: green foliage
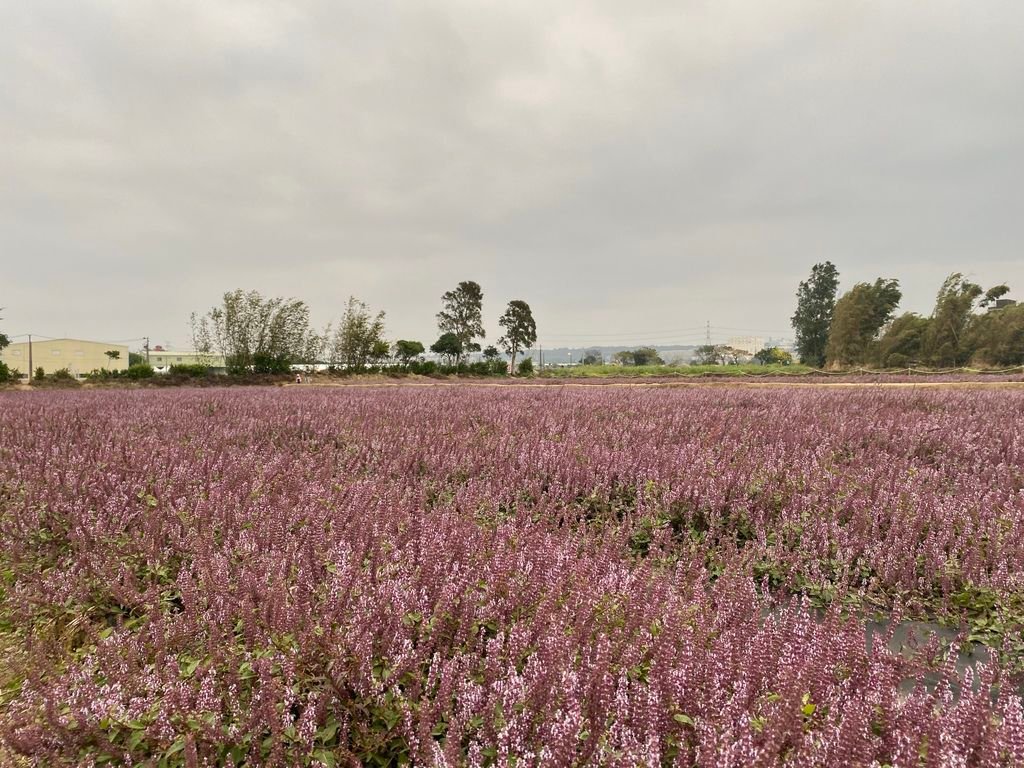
992,295
60,378
900,345
857,318
682,372
816,300
448,347
462,316
647,356
525,367
482,368
5,373
520,329
997,337
379,352
943,343
139,371
113,354
134,358
423,367
709,354
257,334
406,350
637,357
262,363
491,353
717,354
773,356
190,371
359,339
101,374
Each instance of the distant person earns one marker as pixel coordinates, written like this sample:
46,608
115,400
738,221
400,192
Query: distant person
298,378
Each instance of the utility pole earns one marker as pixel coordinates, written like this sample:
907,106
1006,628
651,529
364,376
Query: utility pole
707,333
30,358
542,357
147,349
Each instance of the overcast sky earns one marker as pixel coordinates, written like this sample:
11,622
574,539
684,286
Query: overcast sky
631,169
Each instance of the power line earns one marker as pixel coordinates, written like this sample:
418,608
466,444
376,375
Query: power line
666,336
36,336
705,330
57,338
752,330
661,332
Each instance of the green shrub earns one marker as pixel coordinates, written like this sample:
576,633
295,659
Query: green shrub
191,371
62,374
423,367
525,366
258,364
40,374
5,372
139,371
102,374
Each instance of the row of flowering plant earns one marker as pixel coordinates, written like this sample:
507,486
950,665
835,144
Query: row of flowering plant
511,576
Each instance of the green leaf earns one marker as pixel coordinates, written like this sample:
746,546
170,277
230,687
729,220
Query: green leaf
135,739
326,733
684,719
325,756
808,708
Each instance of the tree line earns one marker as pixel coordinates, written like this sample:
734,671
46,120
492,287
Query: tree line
259,334
968,325
5,372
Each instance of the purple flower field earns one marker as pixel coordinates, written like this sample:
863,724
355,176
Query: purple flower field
502,576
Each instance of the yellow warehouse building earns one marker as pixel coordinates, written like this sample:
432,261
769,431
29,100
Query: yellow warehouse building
78,356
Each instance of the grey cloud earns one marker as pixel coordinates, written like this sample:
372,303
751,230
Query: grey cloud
621,166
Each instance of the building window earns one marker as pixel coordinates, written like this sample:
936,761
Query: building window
55,352
15,353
